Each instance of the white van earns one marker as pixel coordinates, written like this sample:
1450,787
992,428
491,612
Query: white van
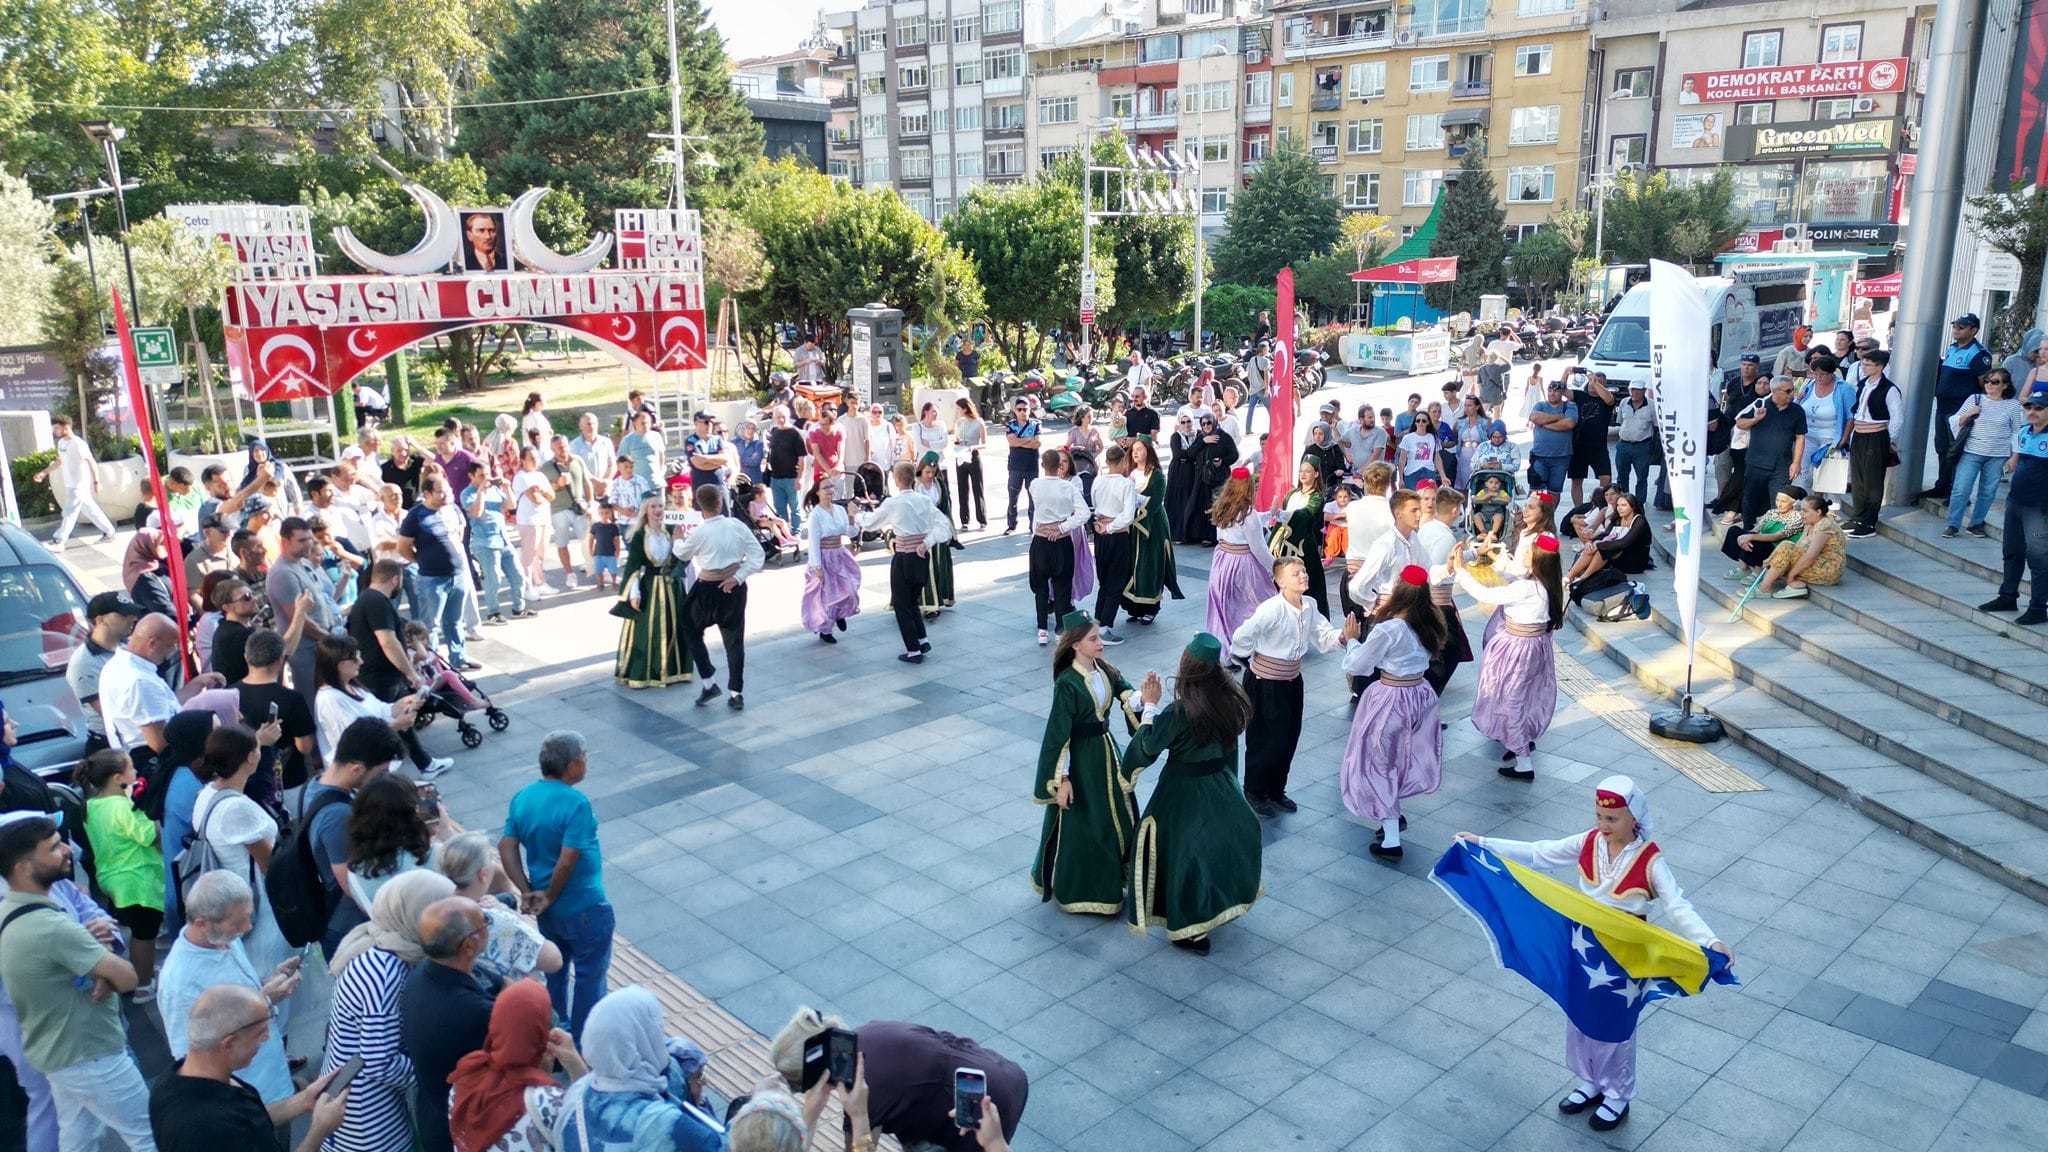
1754,310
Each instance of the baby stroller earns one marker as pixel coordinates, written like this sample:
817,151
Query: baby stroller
450,693
1476,508
870,488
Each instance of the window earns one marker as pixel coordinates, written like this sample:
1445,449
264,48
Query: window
1426,133
937,28
1634,83
1002,16
1283,89
1006,117
1452,17
1760,49
1535,125
1123,105
914,124
1839,108
873,85
967,164
1211,97
1532,185
1532,60
839,169
876,169
1283,134
1362,190
1362,136
1215,149
913,77
1367,81
917,163
942,207
1047,157
874,127
1154,49
966,72
1215,201
1006,160
920,203
1526,8
1328,186
942,165
1003,64
942,120
967,118
1429,73
1762,113
1059,109
910,33
1418,186
1841,42
1627,150
1255,147
1323,133
1258,90
874,39
966,29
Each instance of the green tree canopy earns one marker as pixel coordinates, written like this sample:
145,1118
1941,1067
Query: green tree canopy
1645,211
1229,309
27,249
1282,217
1153,256
1025,242
1542,262
1471,227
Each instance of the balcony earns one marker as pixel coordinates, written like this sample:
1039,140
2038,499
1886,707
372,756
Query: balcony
1327,100
1471,89
1157,119
1341,44
1003,86
1258,114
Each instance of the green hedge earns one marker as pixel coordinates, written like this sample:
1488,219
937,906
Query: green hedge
37,498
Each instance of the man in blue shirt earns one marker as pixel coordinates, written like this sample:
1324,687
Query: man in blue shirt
560,878
426,538
1963,364
2026,514
1550,455
1021,433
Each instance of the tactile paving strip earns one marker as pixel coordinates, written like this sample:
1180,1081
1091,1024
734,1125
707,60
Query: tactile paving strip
1692,760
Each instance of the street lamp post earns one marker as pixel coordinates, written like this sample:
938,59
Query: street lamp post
1201,142
108,135
84,197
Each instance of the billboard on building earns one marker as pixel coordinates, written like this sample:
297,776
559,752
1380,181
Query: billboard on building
1812,139
1696,130
1794,82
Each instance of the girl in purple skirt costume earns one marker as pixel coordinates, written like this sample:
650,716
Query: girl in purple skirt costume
1241,574
1397,743
1518,673
832,576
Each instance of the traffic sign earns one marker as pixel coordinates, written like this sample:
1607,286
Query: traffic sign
156,354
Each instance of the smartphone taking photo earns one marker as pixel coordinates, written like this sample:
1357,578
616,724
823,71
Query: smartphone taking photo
970,1088
842,1051
343,1077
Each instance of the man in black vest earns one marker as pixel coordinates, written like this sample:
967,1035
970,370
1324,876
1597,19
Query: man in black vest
1870,443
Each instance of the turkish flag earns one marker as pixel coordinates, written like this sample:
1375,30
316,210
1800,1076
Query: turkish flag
1276,473
138,397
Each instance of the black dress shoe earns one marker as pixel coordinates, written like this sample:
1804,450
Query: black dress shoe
911,657
2031,617
1578,1102
1284,804
711,692
828,638
1600,1121
1264,808
1198,945
1509,771
840,623
1379,833
924,646
1384,852
735,703
1999,604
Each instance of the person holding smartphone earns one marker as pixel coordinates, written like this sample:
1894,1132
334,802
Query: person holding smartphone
910,1073
202,1105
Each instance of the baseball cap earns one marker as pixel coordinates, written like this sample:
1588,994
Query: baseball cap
1967,318
351,453
256,504
1638,386
2036,398
111,603
1751,358
214,523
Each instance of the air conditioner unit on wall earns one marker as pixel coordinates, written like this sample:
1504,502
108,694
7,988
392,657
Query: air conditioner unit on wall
1866,104
1404,38
1794,232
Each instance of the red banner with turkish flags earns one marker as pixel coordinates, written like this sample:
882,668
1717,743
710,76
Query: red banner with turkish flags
296,339
1276,469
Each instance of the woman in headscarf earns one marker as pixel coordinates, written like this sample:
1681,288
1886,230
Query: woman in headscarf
503,443
651,653
1181,445
146,573
636,1095
1322,447
1619,865
1212,457
262,463
370,968
503,1096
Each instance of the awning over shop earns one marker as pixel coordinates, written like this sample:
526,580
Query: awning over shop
1427,270
1458,117
1882,286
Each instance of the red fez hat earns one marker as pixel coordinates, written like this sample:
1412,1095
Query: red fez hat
1543,497
1240,473
1546,543
1415,575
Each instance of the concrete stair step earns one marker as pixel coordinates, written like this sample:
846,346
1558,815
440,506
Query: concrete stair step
1961,826
1994,520
1973,747
1920,531
1941,583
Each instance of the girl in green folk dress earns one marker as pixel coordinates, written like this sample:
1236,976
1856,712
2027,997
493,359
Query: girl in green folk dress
1089,811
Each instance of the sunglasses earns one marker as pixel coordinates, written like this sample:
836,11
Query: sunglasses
2034,407
270,1018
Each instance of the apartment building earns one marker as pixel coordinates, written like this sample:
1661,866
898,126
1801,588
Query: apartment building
1388,99
790,95
1811,105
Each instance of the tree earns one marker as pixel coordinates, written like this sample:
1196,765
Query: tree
1472,227
1325,286
1025,242
27,246
72,327
1230,309
1153,256
1542,262
599,147
1282,217
432,53
186,271
2014,220
1368,236
1645,211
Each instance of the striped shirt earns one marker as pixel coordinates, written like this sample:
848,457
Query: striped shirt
365,1023
1997,422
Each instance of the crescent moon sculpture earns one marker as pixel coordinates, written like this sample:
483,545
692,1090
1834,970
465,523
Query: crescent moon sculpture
432,254
528,249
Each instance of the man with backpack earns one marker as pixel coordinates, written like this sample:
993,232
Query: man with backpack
316,852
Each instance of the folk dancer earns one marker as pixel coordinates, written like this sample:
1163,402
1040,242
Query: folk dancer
726,552
1153,571
1084,556
1116,509
1437,539
1196,863
1619,865
1380,568
1271,644
1366,519
1397,741
1298,531
649,654
832,573
1240,577
938,588
919,527
1518,671
1085,842
1056,510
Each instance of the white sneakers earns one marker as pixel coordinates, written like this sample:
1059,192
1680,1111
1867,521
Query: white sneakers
436,766
1044,637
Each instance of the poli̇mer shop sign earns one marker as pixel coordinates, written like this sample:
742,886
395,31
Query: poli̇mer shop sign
1794,82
